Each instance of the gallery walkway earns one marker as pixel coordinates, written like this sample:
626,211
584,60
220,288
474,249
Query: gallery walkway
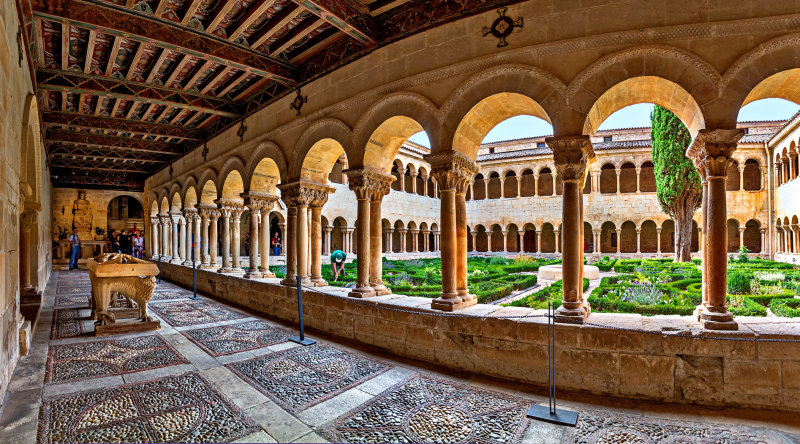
216,373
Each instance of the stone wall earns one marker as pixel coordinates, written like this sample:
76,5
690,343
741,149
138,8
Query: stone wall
676,366
24,190
64,198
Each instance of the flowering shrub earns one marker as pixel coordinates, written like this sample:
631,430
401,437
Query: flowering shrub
642,293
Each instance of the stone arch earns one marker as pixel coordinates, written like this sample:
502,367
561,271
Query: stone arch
422,177
732,180
482,239
164,207
233,163
494,186
176,204
318,149
265,176
649,237
31,171
529,238
496,94
608,179
510,184
770,70
512,238
527,183
190,197
733,235
547,239
397,172
545,182
647,178
478,188
608,238
388,123
496,238
674,78
208,194
627,237
256,168
752,175
154,207
752,236
627,178
232,186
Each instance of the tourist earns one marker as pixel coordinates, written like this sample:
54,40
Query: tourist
113,239
337,263
138,245
125,242
247,244
135,230
75,248
276,245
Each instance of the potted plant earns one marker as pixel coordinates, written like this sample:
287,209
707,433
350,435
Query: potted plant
100,233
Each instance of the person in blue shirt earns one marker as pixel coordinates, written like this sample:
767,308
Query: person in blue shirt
337,263
75,248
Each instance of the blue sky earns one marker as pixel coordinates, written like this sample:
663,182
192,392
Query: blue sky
631,116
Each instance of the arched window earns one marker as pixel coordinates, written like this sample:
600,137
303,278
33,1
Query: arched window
732,182
627,178
510,185
494,186
479,188
752,175
528,185
608,179
647,178
545,182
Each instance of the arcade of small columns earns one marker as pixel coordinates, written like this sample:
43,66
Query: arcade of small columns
787,165
787,169
711,152
788,235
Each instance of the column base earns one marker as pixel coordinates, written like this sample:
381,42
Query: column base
362,292
187,263
447,302
575,312
467,299
176,261
230,270
380,289
267,275
208,266
712,320
253,275
290,281
317,281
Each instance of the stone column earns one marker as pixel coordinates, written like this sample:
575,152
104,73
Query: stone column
436,241
619,240
254,207
319,196
265,239
236,239
289,240
474,235
204,256
712,152
27,222
796,230
328,229
297,196
461,244
347,239
414,175
638,179
365,183
165,227
505,240
638,240
596,241
618,171
425,185
453,172
792,166
536,184
153,247
389,232
658,237
380,187
187,226
196,225
519,186
741,237
175,222
763,240
402,232
557,234
740,168
538,248
571,155
426,240
225,212
485,188
414,241
183,234
213,238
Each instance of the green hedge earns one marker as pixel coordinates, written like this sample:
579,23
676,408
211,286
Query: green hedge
788,307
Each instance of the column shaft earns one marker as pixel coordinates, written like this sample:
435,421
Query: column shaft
363,289
375,243
316,247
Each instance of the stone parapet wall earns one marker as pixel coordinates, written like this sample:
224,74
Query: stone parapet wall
677,366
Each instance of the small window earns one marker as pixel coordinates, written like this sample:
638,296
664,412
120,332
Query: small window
608,138
747,130
613,240
541,145
491,150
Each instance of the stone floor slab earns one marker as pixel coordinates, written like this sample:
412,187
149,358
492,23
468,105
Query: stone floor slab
244,336
193,312
277,422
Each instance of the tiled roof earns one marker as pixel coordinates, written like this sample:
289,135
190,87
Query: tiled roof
622,144
514,154
756,138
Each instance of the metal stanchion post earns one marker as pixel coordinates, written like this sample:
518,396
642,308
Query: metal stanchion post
302,340
159,268
551,413
194,276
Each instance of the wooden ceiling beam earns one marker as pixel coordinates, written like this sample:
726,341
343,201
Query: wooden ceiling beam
202,69
121,125
87,64
252,14
115,107
274,24
295,35
350,17
214,78
112,57
119,160
177,70
190,10
117,20
135,61
109,141
64,46
232,82
118,89
154,69
219,13
85,165
257,85
160,8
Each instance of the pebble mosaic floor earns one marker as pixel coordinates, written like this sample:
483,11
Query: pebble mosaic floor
303,377
216,374
71,362
228,339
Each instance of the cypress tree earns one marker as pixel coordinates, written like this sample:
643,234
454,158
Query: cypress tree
678,186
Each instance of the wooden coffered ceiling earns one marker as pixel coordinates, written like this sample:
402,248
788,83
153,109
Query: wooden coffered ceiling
126,87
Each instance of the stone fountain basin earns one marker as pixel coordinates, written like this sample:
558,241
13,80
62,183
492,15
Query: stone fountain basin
554,272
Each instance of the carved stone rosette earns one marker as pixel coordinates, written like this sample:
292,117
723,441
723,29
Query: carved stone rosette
571,155
452,170
712,150
369,183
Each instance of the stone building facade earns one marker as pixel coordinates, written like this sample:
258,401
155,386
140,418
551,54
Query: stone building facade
784,148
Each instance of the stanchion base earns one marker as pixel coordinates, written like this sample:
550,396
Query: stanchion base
304,341
562,417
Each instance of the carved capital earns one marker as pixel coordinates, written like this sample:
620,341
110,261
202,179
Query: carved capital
369,183
452,170
571,155
166,219
256,201
712,151
208,211
28,220
190,214
305,193
230,207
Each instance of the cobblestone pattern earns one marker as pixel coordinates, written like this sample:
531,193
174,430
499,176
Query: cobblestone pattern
228,339
183,408
73,288
422,409
305,376
595,427
73,300
166,295
96,359
183,313
70,322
